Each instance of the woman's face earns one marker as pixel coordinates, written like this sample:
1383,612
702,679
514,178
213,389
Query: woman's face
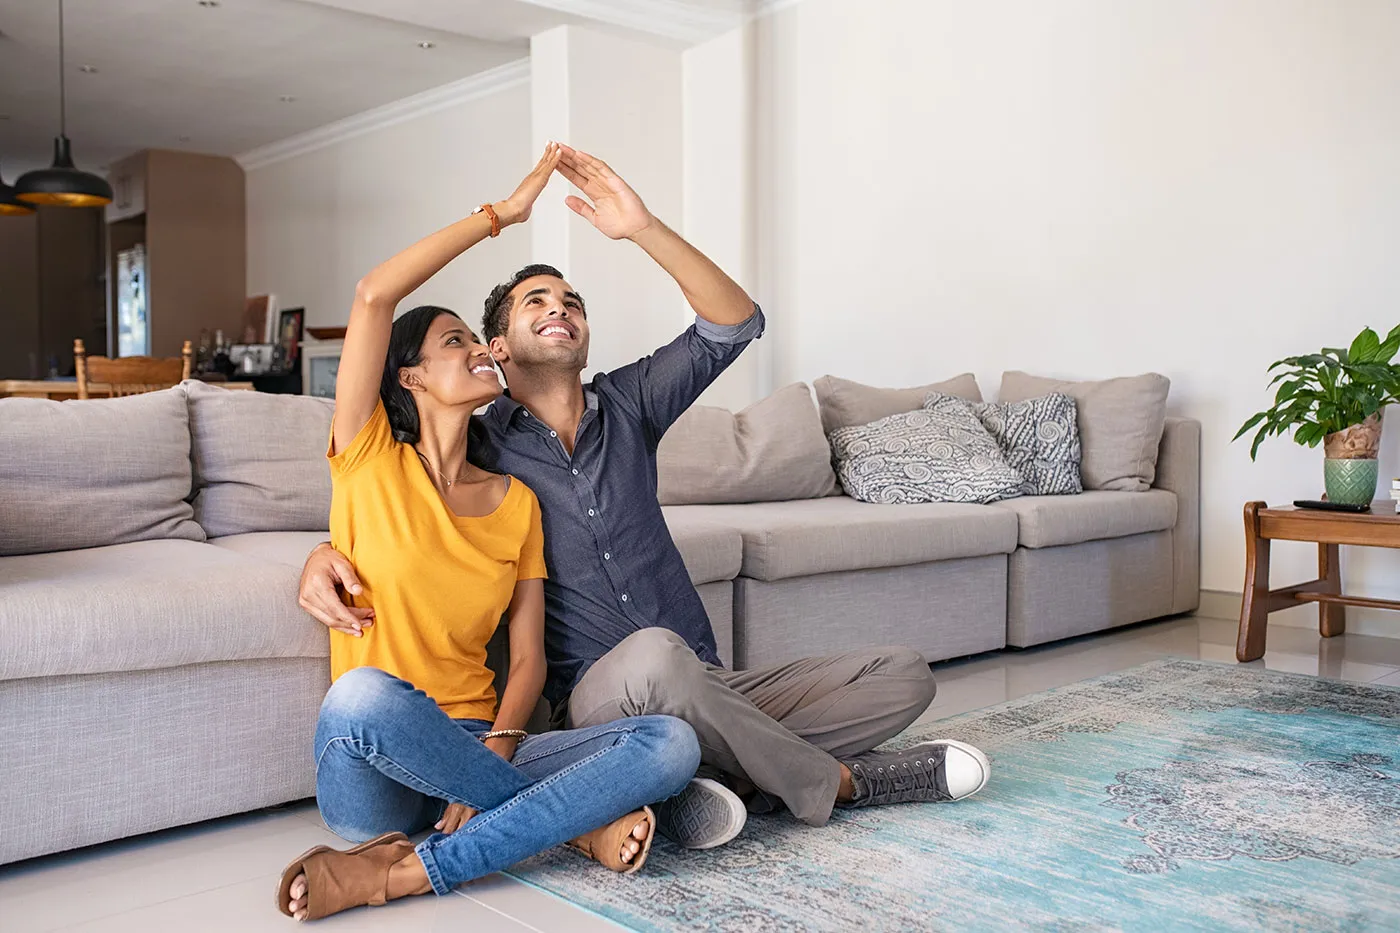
456,369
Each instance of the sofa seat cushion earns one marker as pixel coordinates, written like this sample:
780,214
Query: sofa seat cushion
148,605
282,547
804,537
1051,521
712,552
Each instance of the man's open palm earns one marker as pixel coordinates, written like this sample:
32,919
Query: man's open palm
607,203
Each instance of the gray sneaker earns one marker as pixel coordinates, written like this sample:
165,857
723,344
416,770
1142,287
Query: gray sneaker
703,815
941,770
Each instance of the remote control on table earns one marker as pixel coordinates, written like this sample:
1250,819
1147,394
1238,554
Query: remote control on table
1330,506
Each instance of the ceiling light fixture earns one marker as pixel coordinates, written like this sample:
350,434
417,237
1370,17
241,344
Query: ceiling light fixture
427,45
61,184
88,69
209,4
10,206
287,98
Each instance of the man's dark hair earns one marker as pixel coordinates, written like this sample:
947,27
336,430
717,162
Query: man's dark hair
496,318
406,349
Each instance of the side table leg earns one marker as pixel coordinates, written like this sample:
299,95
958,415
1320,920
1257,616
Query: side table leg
1331,617
1254,611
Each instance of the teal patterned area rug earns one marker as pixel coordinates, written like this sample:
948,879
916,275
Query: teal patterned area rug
1179,795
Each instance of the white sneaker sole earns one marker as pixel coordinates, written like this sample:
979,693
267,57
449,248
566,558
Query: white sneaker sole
704,815
976,755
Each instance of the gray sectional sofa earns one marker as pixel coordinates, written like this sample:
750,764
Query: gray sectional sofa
155,669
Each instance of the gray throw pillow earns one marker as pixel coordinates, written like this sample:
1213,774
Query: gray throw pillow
846,404
940,453
771,451
1120,424
1040,438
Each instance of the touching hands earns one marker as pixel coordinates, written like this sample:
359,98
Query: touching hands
608,202
615,209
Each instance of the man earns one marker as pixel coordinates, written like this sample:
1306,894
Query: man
626,633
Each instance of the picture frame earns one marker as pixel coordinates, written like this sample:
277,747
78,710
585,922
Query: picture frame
290,323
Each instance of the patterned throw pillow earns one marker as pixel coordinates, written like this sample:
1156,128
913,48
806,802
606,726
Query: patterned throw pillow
1040,438
940,453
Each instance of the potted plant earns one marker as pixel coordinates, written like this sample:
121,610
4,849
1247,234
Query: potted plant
1336,398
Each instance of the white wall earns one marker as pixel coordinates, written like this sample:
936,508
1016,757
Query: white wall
718,187
1088,188
320,220
620,100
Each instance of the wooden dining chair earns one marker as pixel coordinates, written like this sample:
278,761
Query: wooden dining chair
130,375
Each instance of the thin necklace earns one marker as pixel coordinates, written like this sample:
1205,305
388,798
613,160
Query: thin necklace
429,465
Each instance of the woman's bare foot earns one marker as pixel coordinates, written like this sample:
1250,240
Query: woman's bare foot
406,878
633,843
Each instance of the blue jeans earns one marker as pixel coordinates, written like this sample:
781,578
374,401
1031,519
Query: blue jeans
388,759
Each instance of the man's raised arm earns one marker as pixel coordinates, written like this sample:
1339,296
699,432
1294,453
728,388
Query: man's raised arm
618,212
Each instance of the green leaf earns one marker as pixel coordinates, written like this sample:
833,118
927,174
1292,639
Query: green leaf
1258,439
1308,434
1249,424
1341,355
1287,391
1389,347
1365,346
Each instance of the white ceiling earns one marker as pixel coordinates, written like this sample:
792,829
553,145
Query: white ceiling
168,69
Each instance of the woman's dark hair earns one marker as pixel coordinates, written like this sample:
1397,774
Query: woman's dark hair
406,349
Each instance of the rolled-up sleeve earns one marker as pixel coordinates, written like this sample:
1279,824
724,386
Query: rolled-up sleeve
663,385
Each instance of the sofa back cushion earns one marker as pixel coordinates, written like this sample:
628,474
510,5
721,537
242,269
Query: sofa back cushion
1120,424
91,473
940,453
771,451
847,404
259,461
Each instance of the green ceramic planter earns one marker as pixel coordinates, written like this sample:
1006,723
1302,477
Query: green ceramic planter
1351,481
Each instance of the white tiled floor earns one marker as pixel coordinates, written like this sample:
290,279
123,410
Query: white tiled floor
221,875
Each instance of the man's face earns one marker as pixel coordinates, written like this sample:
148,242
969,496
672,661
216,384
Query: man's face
546,326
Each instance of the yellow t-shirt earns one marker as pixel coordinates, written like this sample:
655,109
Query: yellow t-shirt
438,582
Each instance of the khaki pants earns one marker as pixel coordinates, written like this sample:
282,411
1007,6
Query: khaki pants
781,728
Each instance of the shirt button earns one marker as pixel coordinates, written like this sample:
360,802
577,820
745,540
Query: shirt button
576,472
607,556
590,512
553,434
624,597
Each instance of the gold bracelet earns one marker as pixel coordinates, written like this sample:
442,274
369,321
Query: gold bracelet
505,734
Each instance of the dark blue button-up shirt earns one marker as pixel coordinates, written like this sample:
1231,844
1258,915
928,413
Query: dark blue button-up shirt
613,568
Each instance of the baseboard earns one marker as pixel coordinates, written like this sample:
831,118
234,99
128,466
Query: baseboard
1220,604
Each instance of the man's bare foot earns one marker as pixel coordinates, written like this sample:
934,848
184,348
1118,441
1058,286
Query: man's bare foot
406,878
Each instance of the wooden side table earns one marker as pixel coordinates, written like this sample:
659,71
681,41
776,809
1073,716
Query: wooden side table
1378,528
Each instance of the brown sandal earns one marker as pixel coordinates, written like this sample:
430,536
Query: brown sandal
337,881
604,844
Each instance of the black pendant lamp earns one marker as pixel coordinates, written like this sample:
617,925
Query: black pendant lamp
9,205
61,184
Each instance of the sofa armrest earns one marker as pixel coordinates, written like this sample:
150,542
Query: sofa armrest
1179,471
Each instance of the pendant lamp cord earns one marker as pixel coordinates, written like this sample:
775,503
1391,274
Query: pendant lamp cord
62,90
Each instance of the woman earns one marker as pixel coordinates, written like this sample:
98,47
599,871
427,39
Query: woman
410,735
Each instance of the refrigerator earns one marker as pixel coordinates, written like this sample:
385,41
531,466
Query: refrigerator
133,322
